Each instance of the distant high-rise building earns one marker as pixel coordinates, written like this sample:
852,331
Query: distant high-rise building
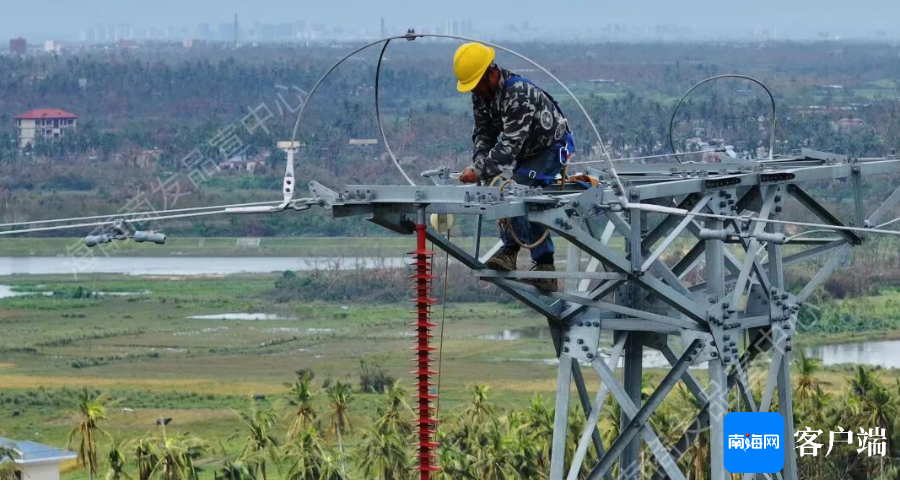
52,46
300,29
235,30
203,31
383,30
18,46
466,28
123,31
225,32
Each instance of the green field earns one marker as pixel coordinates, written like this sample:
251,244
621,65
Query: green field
144,350
141,347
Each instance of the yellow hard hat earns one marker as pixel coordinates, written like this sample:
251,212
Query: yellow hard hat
469,63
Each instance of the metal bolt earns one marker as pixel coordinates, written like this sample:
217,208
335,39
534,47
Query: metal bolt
565,349
566,339
590,356
584,348
580,341
596,323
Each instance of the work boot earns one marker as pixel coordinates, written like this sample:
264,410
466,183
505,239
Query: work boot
549,285
503,260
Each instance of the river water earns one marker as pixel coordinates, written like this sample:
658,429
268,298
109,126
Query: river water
874,353
186,265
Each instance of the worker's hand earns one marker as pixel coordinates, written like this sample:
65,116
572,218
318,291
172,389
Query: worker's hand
468,176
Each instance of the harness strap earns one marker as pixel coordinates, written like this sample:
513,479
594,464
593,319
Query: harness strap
568,139
533,174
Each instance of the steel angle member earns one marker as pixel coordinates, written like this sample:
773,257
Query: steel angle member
487,273
438,194
581,337
808,153
489,211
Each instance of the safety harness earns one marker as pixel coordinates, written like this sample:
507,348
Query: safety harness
567,147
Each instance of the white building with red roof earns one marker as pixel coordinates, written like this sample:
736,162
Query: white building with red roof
49,123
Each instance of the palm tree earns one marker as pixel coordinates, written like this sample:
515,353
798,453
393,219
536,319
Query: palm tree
145,456
176,455
383,454
8,467
117,461
397,413
537,422
340,395
479,409
309,459
523,454
873,404
301,398
696,457
259,441
491,454
806,382
235,469
90,411
454,463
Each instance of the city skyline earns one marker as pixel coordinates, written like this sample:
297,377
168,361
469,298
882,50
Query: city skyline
279,20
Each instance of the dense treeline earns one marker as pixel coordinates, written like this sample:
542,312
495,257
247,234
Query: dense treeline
143,113
320,433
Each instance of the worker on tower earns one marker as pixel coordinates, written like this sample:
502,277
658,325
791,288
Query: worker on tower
519,125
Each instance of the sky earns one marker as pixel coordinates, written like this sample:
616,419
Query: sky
790,18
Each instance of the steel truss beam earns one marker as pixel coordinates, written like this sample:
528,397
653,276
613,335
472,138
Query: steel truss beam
653,291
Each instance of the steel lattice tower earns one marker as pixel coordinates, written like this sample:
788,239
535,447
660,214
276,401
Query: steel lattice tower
699,278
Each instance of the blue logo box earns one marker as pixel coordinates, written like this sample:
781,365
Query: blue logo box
754,442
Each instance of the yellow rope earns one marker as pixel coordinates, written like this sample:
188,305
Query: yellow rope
506,224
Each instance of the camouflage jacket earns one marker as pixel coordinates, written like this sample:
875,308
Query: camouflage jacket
519,122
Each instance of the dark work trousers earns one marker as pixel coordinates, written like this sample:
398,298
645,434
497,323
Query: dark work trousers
537,170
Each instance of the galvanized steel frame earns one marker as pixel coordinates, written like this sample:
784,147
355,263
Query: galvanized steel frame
645,300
